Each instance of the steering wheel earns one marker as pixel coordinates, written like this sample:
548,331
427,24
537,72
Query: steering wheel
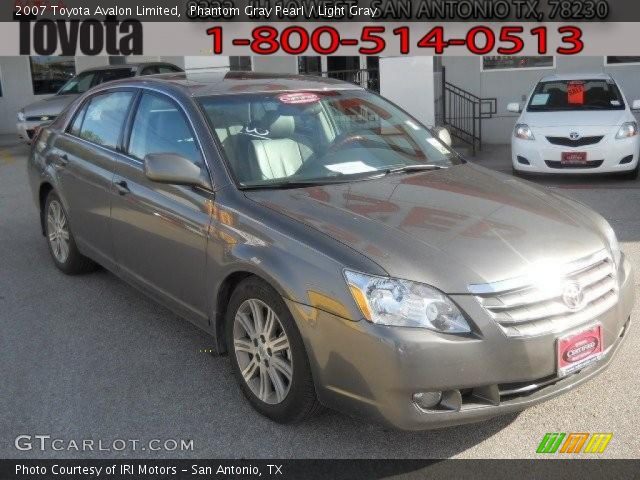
344,139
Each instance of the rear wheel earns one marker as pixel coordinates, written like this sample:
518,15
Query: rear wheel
267,354
62,246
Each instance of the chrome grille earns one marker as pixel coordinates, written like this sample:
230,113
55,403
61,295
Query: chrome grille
523,309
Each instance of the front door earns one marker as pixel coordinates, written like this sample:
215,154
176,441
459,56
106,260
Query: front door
160,230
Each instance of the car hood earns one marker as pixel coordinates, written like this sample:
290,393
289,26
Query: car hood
573,118
51,106
448,228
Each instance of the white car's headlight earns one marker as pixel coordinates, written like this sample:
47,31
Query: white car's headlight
628,129
523,132
21,116
391,301
614,246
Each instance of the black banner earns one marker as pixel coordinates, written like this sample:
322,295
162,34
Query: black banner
316,469
329,10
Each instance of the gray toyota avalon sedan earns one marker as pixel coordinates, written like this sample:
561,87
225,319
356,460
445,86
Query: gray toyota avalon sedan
333,246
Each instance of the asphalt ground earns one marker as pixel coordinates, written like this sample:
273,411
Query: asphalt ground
90,358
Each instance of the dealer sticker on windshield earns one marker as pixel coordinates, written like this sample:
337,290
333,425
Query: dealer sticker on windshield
298,98
578,350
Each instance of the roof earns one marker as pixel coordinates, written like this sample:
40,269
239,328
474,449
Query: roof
576,76
226,83
130,65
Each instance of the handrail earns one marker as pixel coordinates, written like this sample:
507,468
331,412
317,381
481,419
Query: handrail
365,77
463,112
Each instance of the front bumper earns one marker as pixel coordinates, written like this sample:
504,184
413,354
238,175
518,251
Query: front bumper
373,371
607,156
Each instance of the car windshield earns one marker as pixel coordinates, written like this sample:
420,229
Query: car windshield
86,80
278,139
576,95
78,84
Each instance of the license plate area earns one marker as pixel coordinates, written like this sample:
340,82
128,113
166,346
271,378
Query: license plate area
579,349
573,158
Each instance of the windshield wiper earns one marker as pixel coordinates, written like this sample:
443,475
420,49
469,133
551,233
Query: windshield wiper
414,168
290,184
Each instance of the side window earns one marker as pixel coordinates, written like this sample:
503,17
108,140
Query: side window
150,70
168,69
115,74
105,117
160,127
74,129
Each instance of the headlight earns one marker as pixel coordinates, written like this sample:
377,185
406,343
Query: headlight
628,129
614,246
21,116
523,132
390,301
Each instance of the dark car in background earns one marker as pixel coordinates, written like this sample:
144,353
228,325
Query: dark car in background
44,111
333,246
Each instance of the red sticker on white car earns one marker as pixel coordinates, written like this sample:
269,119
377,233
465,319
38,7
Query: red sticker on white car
575,93
298,98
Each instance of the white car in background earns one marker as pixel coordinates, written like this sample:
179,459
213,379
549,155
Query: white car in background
578,123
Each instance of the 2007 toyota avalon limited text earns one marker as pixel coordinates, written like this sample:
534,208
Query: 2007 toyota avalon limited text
337,250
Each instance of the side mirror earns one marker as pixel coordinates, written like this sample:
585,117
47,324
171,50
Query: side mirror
635,105
514,107
172,168
444,135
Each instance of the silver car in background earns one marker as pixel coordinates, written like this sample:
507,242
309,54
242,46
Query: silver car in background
339,252
37,114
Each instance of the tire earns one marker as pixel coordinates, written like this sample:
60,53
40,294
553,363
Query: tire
633,174
62,246
282,398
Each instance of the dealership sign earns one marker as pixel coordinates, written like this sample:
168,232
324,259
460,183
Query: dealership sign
90,37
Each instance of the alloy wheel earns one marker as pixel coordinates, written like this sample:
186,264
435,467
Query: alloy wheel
263,352
58,231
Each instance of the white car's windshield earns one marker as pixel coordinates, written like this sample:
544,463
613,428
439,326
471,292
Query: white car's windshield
273,139
576,95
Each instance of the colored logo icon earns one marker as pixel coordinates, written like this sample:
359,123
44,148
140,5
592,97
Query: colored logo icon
574,442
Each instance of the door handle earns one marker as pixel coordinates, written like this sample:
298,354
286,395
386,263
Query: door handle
60,160
122,187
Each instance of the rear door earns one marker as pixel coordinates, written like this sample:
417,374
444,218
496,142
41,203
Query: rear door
84,160
160,230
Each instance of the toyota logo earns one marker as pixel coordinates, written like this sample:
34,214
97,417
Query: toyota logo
574,135
573,296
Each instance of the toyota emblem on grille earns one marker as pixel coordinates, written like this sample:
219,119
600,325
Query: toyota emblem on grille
574,135
573,296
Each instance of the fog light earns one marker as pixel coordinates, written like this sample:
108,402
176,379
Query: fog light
427,400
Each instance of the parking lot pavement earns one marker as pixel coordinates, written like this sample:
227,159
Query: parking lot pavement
91,358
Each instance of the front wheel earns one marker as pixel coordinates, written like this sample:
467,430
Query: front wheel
62,246
633,174
267,354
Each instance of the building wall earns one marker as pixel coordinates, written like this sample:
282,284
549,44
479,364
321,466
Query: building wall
514,85
408,82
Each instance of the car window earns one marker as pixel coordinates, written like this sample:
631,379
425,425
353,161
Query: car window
115,74
150,70
168,69
161,127
105,117
74,129
78,84
560,95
